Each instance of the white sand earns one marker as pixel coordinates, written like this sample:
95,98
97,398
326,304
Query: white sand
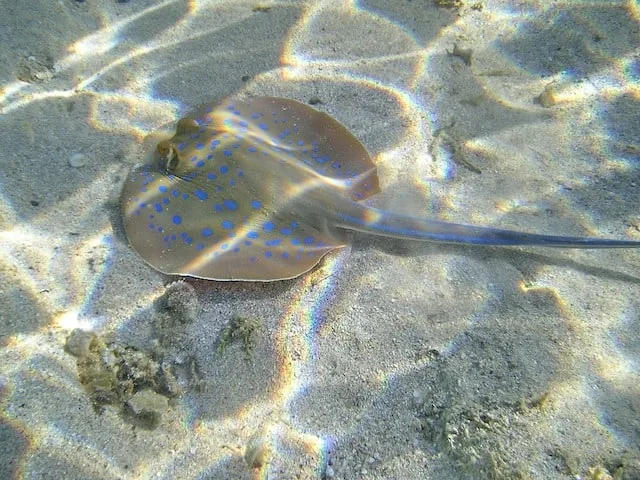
393,359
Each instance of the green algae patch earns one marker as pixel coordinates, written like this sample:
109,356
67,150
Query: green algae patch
239,330
122,376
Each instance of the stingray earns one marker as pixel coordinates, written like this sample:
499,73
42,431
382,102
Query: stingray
260,189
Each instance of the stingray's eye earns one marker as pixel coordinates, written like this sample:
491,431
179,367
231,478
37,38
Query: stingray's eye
168,155
187,125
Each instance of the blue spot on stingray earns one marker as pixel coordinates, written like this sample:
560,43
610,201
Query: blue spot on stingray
286,231
263,126
224,169
199,146
268,254
162,189
227,224
206,232
256,204
199,246
235,145
273,242
211,176
185,196
175,193
157,207
242,123
285,254
214,144
300,143
200,163
232,183
294,224
151,226
252,234
252,149
308,240
268,227
231,204
227,153
248,242
295,241
218,207
160,229
336,165
224,246
165,201
176,219
201,194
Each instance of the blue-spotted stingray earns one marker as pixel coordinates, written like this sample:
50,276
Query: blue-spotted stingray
261,189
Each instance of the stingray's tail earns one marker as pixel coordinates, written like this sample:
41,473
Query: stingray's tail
380,222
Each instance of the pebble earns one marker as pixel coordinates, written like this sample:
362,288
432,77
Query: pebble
148,406
549,96
78,343
257,452
78,160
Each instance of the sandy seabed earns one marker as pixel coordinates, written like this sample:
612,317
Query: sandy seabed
392,359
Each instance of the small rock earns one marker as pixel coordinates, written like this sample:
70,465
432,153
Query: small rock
32,70
78,160
182,301
464,54
78,343
257,452
549,97
147,407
